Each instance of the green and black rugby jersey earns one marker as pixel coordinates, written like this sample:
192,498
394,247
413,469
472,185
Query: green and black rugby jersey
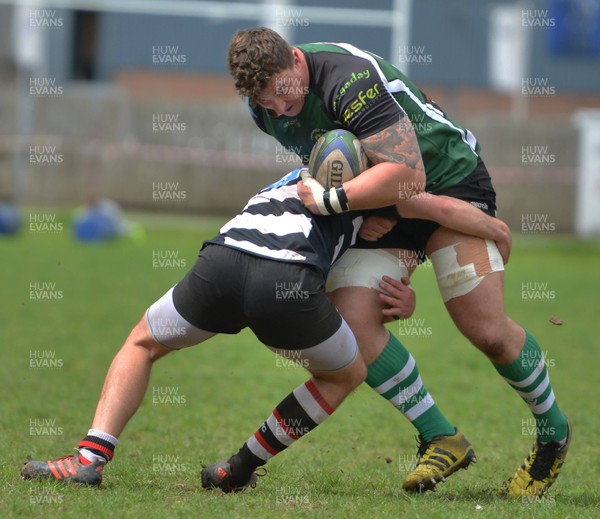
353,89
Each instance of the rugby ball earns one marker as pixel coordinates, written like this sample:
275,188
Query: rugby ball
337,157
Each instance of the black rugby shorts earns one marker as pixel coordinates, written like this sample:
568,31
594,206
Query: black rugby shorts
283,303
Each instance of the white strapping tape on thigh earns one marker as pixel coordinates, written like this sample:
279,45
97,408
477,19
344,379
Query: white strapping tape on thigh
333,354
460,268
169,328
364,268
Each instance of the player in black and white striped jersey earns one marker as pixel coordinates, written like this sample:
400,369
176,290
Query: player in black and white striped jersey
276,225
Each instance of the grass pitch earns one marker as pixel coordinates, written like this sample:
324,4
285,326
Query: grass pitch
67,307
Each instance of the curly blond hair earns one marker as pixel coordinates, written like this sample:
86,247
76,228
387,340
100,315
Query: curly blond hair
254,56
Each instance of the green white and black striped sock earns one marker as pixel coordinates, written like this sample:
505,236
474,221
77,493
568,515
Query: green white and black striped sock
395,376
528,376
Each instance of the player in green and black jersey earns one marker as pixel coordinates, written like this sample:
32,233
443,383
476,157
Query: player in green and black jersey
359,91
297,93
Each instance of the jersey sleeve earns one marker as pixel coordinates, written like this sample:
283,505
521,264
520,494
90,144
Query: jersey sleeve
359,97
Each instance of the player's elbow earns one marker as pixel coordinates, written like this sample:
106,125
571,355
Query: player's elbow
408,181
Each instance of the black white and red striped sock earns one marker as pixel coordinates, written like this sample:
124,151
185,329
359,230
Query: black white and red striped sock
298,414
97,445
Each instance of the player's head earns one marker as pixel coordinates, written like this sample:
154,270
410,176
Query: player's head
267,70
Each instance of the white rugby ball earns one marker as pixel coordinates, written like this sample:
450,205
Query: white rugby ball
337,157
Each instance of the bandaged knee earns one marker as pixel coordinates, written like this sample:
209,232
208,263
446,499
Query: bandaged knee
461,267
364,268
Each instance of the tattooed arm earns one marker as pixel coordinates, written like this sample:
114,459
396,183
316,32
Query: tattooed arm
397,144
397,172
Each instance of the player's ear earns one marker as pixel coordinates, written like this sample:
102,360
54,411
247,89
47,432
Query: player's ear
298,58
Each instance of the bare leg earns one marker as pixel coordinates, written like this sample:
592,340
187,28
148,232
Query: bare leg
127,380
361,308
335,386
121,396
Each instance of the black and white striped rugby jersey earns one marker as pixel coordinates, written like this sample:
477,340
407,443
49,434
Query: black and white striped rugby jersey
275,225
